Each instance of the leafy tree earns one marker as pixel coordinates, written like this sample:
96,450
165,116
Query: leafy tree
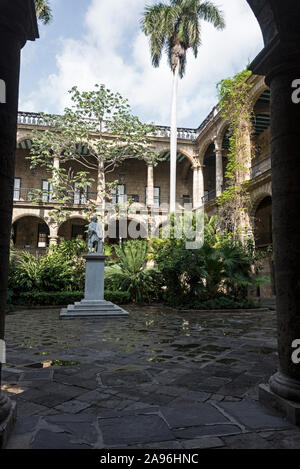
175,28
95,136
43,10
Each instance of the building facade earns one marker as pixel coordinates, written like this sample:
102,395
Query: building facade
201,166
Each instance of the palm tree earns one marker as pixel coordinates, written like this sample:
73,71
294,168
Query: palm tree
175,28
43,10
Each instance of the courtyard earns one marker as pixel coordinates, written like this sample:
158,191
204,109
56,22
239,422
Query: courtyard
157,379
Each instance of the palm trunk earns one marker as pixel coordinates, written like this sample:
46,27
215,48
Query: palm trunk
173,148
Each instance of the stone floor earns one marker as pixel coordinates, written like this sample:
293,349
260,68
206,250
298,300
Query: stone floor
158,379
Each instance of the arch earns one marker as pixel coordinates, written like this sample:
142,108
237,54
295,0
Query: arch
264,193
181,151
24,143
30,213
68,230
30,235
263,222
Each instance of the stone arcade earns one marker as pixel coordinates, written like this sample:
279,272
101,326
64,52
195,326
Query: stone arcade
280,63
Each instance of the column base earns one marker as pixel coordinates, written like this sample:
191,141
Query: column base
9,421
92,309
290,409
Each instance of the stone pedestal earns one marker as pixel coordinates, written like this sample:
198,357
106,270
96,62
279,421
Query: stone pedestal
93,304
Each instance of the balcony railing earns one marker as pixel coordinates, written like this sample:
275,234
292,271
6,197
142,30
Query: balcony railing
25,194
36,119
211,195
261,167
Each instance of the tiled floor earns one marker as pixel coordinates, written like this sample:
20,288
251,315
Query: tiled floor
157,379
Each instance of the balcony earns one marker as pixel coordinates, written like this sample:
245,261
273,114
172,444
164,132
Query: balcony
35,195
26,194
209,195
261,167
36,119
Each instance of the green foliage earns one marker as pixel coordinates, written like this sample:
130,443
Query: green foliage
176,27
61,269
43,10
130,273
223,266
222,302
38,298
84,126
236,108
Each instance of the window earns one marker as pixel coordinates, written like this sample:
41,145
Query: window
46,190
118,194
43,235
134,197
17,189
156,197
80,194
186,199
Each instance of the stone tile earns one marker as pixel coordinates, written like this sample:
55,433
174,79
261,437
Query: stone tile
206,430
203,443
124,377
130,430
253,415
72,407
192,415
26,408
246,441
82,427
45,439
51,395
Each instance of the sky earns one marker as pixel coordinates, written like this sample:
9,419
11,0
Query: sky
100,41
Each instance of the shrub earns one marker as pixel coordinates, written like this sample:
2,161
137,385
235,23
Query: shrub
65,298
131,275
61,269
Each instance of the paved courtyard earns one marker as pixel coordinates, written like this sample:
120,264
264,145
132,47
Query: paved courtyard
158,379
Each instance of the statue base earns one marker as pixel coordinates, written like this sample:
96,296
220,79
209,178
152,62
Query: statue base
93,304
92,309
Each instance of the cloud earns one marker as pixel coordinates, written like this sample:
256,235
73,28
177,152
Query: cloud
115,52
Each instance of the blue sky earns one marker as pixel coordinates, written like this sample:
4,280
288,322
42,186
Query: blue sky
100,41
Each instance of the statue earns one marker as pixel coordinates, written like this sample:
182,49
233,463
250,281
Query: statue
95,243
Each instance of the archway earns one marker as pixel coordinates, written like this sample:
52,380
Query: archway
184,179
263,223
73,228
30,233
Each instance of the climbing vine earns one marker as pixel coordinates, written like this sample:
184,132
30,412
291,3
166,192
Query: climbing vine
236,108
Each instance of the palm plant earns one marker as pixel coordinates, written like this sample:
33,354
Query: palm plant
175,28
43,10
131,274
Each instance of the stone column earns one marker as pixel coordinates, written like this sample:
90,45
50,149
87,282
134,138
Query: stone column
17,24
284,386
219,169
150,185
285,141
198,186
53,240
